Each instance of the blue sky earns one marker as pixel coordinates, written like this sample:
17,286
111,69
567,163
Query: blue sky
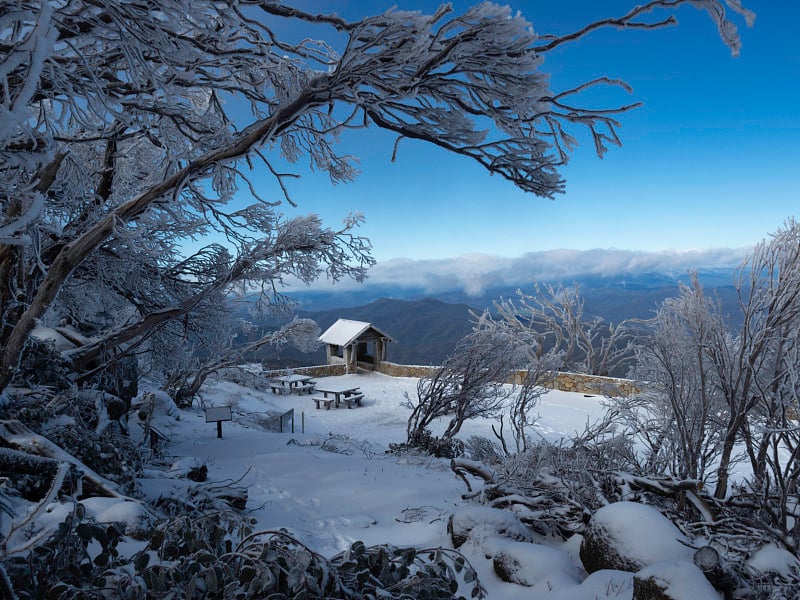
709,161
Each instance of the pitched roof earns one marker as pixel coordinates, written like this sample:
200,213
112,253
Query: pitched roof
345,332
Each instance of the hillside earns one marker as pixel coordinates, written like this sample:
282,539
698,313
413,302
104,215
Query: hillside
426,330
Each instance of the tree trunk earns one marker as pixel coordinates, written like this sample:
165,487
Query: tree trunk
725,463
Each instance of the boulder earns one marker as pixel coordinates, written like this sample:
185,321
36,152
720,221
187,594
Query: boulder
482,522
531,564
600,585
672,580
628,536
115,408
775,560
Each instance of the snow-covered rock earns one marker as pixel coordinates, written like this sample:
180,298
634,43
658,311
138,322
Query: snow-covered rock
481,522
771,559
600,585
160,403
533,564
628,536
673,580
115,510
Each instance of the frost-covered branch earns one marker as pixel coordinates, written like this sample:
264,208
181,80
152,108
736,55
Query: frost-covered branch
127,132
727,29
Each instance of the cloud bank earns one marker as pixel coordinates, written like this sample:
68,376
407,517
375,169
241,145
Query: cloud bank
474,273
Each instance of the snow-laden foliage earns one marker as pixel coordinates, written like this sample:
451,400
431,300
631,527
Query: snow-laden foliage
685,411
207,556
555,315
714,392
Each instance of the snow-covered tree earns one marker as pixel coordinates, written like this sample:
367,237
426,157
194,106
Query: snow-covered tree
719,391
128,128
532,358
586,344
757,368
185,383
683,397
501,360
469,384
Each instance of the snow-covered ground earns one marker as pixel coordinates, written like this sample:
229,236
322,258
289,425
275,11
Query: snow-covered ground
333,483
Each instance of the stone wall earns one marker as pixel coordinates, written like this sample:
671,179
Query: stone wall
315,371
565,382
594,384
395,370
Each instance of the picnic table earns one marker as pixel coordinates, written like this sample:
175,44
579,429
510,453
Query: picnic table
349,394
292,383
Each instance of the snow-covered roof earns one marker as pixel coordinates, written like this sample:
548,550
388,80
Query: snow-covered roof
345,332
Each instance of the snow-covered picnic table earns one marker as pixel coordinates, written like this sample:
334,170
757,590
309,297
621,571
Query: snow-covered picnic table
349,394
292,383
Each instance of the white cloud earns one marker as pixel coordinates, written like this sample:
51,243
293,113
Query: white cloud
474,273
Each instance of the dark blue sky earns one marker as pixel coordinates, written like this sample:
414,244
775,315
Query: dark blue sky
710,160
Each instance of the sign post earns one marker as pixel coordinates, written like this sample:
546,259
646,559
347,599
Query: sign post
218,414
286,418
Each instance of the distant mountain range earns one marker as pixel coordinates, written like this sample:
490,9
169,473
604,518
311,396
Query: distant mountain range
426,329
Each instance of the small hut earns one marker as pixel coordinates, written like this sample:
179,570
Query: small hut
355,344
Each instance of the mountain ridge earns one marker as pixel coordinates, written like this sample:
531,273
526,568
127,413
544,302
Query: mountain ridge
426,329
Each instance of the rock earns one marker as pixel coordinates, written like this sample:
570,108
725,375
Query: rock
605,584
672,580
530,564
158,404
628,536
485,521
771,559
198,474
115,408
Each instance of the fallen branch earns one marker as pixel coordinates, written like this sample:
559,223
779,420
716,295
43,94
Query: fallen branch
464,466
26,452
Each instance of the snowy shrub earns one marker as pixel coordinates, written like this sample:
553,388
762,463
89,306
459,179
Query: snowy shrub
388,572
112,454
63,565
78,422
483,450
199,557
31,408
338,443
435,446
42,364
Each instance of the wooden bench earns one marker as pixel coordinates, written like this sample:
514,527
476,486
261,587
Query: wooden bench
353,399
306,386
277,387
326,401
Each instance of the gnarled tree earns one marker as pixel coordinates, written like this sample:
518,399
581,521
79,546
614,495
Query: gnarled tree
127,128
